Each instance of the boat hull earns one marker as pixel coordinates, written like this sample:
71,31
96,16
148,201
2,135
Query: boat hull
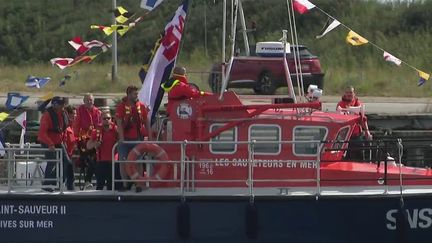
69,218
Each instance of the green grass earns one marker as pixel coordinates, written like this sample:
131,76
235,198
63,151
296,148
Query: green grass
372,79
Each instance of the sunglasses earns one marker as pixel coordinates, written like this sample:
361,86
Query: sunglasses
107,118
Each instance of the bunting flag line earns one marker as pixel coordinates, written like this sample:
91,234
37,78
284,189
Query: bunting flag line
151,92
3,116
14,100
122,15
35,82
22,121
302,6
355,39
148,59
61,62
108,30
390,58
423,77
83,47
150,4
328,27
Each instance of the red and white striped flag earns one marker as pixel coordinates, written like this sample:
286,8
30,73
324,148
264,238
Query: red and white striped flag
302,6
83,47
61,62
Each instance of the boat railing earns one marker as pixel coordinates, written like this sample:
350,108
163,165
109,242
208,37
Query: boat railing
184,169
23,167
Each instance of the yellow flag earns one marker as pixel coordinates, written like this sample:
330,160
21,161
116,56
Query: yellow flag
47,96
3,116
355,39
423,77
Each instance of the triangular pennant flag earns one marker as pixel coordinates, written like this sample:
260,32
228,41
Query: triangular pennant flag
122,15
3,116
423,77
328,27
302,6
390,58
61,62
35,82
150,4
355,39
15,100
22,120
83,47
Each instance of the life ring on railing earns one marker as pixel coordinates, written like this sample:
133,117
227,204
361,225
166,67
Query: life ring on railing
161,169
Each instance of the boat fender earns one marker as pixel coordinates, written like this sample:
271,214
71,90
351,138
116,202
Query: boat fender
401,223
183,220
251,221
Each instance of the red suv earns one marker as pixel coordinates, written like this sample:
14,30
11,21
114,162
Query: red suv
265,74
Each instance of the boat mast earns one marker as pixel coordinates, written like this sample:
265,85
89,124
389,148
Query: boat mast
233,39
244,29
286,69
114,46
223,43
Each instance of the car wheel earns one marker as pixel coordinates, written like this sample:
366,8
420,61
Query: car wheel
266,83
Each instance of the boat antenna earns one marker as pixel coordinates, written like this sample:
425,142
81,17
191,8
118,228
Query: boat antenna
233,39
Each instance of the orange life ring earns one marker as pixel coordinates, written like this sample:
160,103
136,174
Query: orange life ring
161,169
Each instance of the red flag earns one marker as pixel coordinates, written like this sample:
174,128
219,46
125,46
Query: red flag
302,6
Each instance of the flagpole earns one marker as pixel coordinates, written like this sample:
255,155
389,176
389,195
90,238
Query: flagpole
114,46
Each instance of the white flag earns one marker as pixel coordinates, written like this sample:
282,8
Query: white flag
390,58
163,61
150,4
22,121
328,27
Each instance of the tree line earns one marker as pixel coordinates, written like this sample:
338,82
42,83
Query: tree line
33,32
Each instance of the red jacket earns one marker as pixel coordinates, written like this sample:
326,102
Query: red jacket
70,140
107,137
86,120
47,133
178,88
344,103
134,118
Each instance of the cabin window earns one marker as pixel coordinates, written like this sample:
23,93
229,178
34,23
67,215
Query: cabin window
340,138
225,142
308,134
269,135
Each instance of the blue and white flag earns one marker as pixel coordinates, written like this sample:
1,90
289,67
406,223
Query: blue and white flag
163,61
150,4
35,82
15,100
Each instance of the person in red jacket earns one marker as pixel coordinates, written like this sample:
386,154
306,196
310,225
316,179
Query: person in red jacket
178,87
131,119
103,139
70,142
53,125
349,99
88,118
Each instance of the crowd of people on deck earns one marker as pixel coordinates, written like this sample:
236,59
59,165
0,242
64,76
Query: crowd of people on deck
92,134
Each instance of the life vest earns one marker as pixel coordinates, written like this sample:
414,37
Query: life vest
55,122
127,120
